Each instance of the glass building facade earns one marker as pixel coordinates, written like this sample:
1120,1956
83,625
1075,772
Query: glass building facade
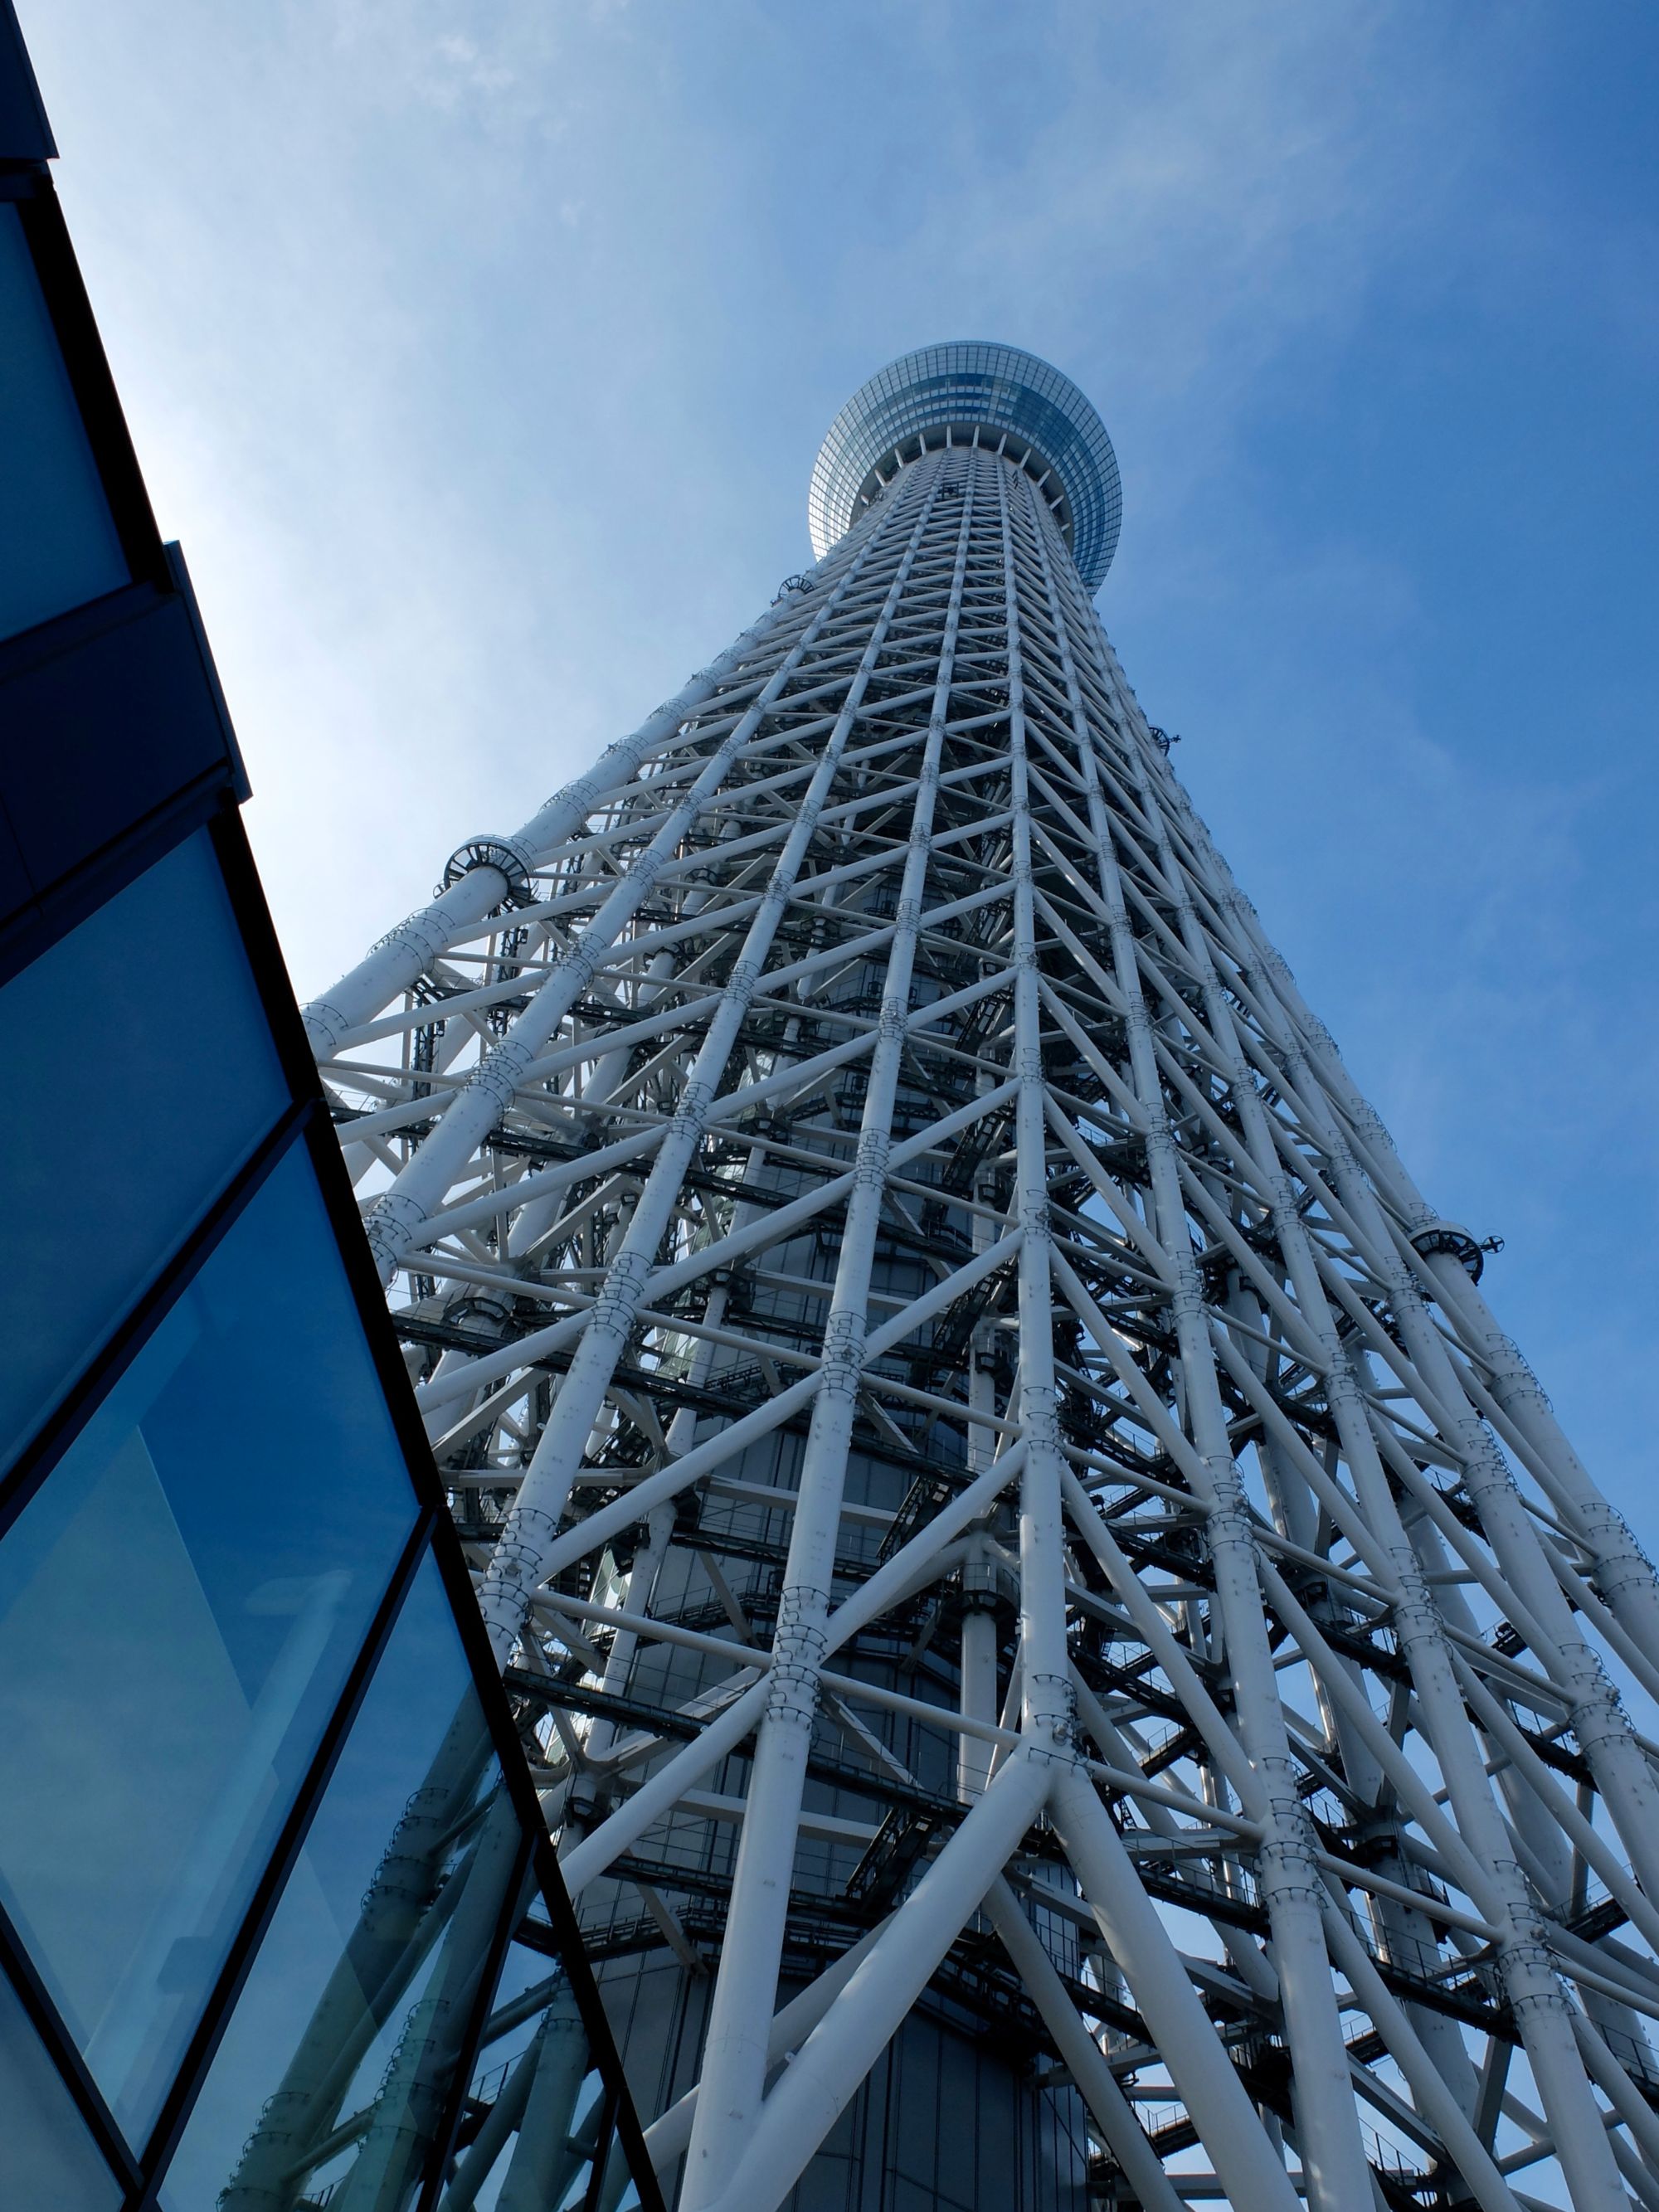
280,1927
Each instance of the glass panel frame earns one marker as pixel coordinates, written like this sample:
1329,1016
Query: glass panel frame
253,1602
93,2168
378,1960
106,1233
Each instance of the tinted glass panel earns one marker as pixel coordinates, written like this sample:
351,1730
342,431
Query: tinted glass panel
48,2161
538,2122
179,1608
100,1180
58,544
356,2017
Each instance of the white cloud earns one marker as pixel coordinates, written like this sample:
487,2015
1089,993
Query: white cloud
478,354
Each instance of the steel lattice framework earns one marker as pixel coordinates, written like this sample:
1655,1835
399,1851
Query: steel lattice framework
991,1486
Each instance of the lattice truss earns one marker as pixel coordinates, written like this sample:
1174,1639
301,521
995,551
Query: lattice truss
991,1488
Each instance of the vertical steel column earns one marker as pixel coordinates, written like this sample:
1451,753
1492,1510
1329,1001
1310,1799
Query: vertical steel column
734,2066
1334,2157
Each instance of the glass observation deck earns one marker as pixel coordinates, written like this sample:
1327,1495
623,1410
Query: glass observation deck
954,393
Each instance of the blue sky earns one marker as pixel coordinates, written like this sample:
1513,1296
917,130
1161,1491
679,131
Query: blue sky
478,355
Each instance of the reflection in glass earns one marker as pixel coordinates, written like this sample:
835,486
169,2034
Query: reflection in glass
537,2120
339,2077
95,1201
48,2161
335,2075
59,545
180,1604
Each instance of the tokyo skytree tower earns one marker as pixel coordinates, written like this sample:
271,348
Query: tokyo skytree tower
1067,1655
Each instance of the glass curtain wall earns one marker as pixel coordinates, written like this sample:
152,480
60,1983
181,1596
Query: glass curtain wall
279,1925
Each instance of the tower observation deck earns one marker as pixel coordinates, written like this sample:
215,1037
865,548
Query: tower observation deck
1068,1659
974,394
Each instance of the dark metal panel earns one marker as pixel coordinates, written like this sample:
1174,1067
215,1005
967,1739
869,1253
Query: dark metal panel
24,133
111,713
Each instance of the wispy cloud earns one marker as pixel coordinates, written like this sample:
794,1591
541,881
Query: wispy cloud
478,353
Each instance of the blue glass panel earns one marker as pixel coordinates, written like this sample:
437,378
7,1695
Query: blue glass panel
102,1175
180,1604
353,2022
538,2120
57,543
48,2160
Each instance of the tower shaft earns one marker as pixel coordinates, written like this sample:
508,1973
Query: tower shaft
1013,1531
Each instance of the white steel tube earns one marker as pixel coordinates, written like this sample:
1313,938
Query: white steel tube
734,2063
